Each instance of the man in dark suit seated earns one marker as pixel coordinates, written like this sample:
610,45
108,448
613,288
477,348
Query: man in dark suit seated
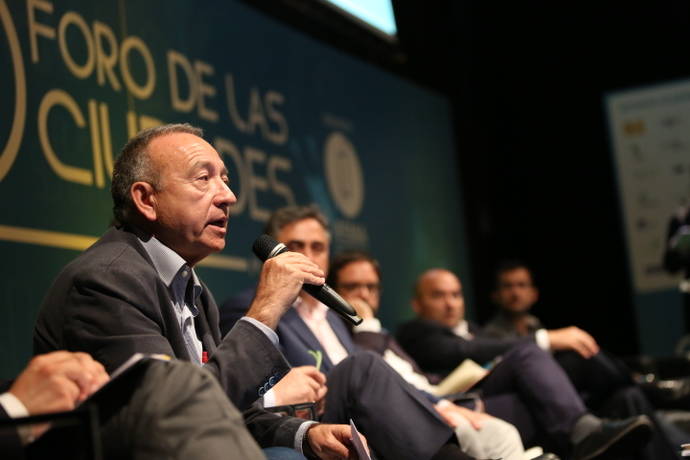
198,423
135,289
440,338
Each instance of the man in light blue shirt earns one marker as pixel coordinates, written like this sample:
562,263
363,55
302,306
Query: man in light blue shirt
135,290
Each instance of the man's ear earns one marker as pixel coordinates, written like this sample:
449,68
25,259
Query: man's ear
144,198
416,307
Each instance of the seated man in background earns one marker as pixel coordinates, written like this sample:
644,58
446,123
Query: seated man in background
515,294
602,379
356,276
135,289
595,374
440,339
145,423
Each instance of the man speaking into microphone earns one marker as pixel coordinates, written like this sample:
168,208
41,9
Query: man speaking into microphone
266,247
135,289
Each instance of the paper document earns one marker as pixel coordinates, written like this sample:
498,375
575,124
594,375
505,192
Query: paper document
120,373
461,379
362,452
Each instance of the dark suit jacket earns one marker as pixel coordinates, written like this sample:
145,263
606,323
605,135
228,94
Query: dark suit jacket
296,339
235,308
438,350
365,388
111,303
379,342
501,326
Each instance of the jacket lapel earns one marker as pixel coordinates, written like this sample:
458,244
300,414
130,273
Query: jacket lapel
341,331
308,340
206,322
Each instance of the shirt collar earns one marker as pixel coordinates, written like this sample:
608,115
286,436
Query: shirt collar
462,329
168,263
317,313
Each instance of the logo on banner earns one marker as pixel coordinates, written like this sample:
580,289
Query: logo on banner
344,175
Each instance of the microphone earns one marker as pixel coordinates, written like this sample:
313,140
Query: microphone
266,247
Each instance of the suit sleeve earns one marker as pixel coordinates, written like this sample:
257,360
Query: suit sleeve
484,349
374,341
270,429
437,349
247,364
235,308
494,330
112,315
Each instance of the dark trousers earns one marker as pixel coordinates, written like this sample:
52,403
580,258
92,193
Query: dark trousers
398,421
596,378
538,395
531,391
629,401
608,390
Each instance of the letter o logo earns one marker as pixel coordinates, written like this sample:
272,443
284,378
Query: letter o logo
9,152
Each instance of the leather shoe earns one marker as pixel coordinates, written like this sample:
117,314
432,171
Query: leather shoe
547,456
618,437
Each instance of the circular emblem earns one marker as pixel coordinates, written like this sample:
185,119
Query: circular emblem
344,175
9,152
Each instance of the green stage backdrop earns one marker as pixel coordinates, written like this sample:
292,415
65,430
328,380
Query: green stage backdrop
296,122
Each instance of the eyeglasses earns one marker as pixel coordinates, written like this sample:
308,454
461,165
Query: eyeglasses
374,288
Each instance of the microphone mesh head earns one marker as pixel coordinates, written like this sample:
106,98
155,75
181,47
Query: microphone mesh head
263,246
